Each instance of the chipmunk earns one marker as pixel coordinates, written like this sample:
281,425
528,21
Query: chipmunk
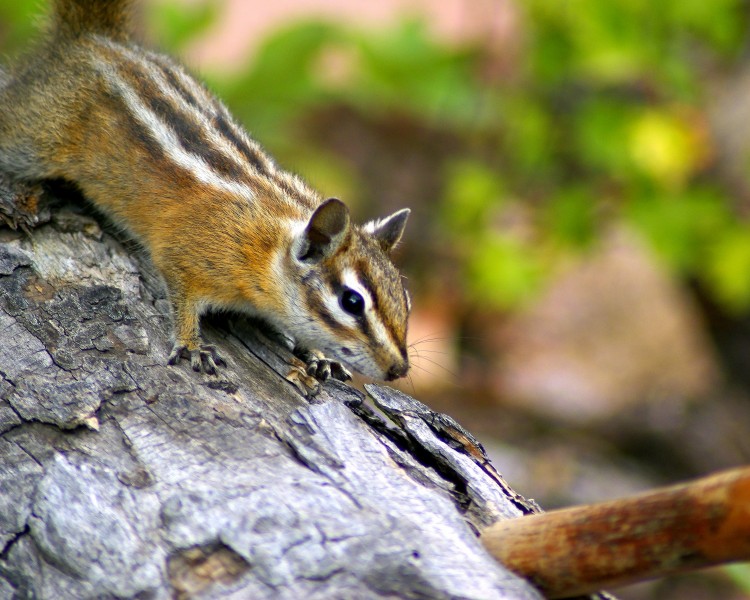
226,227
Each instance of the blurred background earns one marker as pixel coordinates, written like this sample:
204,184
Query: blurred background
579,178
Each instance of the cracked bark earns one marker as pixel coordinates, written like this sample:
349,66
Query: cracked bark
122,477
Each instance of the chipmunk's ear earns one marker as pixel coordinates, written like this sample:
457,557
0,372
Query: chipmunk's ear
325,232
388,231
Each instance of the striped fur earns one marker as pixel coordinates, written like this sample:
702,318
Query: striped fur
228,229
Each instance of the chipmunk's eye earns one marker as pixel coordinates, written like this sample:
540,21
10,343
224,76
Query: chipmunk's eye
352,302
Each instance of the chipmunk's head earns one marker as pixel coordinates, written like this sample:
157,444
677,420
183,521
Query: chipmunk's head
352,304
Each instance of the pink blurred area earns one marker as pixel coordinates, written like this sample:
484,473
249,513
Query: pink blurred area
244,24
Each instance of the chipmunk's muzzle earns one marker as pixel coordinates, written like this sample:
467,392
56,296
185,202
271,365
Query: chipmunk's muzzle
397,370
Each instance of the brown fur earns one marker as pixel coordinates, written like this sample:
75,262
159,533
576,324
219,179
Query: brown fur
107,17
163,158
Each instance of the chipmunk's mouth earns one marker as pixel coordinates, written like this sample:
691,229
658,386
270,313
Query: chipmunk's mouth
363,366
368,367
397,370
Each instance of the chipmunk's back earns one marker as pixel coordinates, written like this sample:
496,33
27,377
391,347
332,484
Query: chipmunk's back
102,94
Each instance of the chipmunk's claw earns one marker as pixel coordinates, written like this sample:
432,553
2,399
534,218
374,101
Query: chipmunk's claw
203,359
307,385
339,371
320,367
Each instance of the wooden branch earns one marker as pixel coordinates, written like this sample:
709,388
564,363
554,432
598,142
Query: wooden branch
585,548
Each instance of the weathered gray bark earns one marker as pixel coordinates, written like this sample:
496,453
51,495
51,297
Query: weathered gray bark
122,477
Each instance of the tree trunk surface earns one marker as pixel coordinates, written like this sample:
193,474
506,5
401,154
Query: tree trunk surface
121,477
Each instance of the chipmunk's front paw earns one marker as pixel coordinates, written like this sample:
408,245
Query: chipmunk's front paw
318,366
307,385
339,371
204,358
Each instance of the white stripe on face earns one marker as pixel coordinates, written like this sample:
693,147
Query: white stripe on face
381,336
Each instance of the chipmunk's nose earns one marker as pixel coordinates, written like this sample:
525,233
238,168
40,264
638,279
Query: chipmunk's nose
397,370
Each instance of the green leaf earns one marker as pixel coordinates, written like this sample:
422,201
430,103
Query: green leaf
740,574
471,191
570,216
406,70
728,269
600,129
504,272
682,227
176,24
17,24
281,83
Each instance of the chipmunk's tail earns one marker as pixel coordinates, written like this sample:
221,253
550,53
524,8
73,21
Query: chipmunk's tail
72,18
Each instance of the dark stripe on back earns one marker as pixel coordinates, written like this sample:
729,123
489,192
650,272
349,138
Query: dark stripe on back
282,181
190,134
136,129
255,158
187,95
155,154
226,126
215,112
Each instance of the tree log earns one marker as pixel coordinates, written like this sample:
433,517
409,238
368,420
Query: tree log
609,544
123,477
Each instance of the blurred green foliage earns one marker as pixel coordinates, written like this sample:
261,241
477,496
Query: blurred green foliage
17,25
179,24
740,574
600,123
